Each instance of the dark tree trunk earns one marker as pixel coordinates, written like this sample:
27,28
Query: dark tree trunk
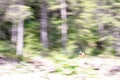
2,33
2,29
44,24
64,26
1,19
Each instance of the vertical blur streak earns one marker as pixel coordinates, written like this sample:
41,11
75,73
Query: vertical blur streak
19,47
44,24
99,18
116,44
14,33
20,32
64,26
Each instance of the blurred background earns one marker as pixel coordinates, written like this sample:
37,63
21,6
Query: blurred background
58,30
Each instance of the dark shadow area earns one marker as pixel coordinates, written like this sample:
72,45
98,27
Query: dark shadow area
6,60
54,34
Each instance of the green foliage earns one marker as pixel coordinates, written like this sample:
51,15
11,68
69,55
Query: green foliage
5,46
14,13
84,17
65,65
32,35
54,34
7,49
67,68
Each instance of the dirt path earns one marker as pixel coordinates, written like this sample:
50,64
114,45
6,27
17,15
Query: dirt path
89,69
101,68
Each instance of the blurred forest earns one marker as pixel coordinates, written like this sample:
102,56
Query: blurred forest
66,26
43,39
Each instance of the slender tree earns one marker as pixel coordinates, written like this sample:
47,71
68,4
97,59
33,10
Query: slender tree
17,14
44,23
14,26
64,26
20,37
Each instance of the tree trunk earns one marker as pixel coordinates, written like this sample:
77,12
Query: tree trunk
100,28
44,24
99,18
116,45
2,33
2,30
14,33
20,35
64,26
1,19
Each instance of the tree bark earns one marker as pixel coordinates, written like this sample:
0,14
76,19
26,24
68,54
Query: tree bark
14,33
20,36
64,26
44,24
20,33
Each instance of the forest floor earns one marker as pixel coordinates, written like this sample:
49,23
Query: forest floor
89,68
